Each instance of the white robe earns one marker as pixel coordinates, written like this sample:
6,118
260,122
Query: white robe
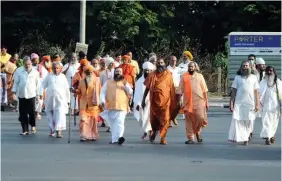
142,116
115,118
57,99
3,92
73,69
270,107
243,114
39,102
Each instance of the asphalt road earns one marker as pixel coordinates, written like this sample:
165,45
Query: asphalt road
41,158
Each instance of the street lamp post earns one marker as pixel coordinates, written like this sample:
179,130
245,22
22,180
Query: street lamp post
82,29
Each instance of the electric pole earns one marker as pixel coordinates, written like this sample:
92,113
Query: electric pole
82,29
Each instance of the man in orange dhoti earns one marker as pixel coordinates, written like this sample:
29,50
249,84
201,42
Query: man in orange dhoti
195,102
89,90
79,76
161,87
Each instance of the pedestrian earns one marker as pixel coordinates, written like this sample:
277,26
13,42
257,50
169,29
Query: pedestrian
116,107
244,103
143,115
27,88
89,88
57,100
194,89
162,94
271,104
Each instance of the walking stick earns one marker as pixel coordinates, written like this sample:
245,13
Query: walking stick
70,114
74,113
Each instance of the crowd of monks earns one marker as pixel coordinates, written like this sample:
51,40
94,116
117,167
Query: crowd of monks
106,89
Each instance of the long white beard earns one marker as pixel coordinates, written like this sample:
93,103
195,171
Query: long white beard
270,79
88,79
97,68
48,64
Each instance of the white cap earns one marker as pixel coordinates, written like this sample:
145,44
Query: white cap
260,61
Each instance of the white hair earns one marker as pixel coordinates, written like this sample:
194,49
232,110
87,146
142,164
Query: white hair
26,58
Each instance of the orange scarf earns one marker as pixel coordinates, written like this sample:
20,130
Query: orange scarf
96,93
188,91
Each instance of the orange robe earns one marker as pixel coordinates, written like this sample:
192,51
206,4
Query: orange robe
194,105
162,91
128,73
75,83
9,70
89,107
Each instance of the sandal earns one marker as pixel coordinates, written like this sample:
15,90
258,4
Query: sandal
199,139
153,136
189,142
272,140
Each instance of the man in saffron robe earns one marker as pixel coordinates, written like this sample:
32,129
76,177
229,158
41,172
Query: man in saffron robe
47,63
142,116
9,69
89,89
57,100
79,76
195,102
128,70
114,98
162,91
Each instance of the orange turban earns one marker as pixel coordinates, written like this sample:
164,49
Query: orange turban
83,62
57,59
126,57
188,54
46,58
89,68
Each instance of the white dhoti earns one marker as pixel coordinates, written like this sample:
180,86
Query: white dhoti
143,117
270,121
116,120
74,102
38,105
56,120
241,124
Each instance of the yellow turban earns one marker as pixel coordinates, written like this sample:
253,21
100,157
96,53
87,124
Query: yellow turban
188,54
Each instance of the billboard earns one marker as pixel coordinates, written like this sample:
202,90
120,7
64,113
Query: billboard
256,43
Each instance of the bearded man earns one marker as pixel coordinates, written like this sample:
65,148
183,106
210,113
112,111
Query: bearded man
79,76
195,102
260,68
114,98
271,102
42,73
162,93
244,103
142,115
70,69
89,89
109,72
128,70
95,64
47,63
57,100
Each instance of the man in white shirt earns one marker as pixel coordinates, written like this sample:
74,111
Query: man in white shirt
176,79
27,88
260,67
118,60
57,100
69,70
187,58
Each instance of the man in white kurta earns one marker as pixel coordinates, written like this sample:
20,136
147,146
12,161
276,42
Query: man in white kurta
57,100
244,103
70,69
114,98
142,115
176,74
270,98
105,75
42,73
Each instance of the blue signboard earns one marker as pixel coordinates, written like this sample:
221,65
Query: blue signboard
255,41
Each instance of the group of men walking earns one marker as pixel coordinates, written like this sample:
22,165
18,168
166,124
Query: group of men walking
107,89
